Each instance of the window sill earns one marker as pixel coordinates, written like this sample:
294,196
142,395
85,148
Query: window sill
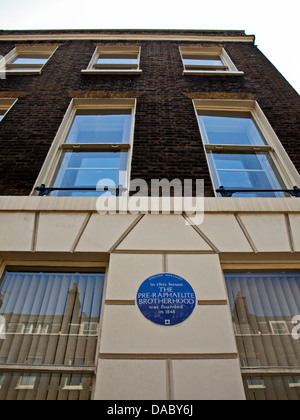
212,73
111,71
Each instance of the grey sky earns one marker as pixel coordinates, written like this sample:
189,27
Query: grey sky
273,22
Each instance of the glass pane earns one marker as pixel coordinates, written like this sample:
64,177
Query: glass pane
86,169
236,130
117,61
1,115
45,386
100,127
272,388
262,308
245,171
202,62
30,59
50,318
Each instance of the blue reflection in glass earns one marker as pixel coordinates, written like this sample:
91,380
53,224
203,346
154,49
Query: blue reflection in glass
245,171
202,62
35,293
86,169
230,130
100,128
30,60
117,61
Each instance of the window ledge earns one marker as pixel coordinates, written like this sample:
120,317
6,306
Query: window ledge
212,73
111,71
265,205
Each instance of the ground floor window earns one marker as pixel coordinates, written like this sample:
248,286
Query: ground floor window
264,307
51,324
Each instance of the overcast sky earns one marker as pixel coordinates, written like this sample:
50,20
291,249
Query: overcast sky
275,23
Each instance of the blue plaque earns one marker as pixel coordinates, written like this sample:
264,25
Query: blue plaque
166,299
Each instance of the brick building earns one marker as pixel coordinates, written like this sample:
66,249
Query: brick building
132,108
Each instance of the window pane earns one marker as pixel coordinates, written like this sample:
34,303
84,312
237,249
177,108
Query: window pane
245,171
272,388
100,127
86,169
1,115
48,317
202,62
262,308
117,61
45,386
230,130
30,59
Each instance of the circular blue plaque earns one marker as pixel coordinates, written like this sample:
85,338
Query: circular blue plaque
166,299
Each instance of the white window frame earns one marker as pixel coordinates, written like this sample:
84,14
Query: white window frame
58,146
259,385
294,384
275,330
254,371
276,151
41,329
89,328
92,67
228,68
29,386
27,69
5,105
73,387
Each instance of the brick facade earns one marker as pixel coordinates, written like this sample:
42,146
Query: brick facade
167,141
236,344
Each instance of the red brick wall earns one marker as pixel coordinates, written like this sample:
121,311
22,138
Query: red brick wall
167,141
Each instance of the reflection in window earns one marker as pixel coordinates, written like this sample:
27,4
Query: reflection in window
86,169
52,318
204,59
26,381
95,153
116,58
272,388
30,59
262,307
100,127
238,155
207,62
211,62
131,61
228,128
45,386
246,171
73,381
45,313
